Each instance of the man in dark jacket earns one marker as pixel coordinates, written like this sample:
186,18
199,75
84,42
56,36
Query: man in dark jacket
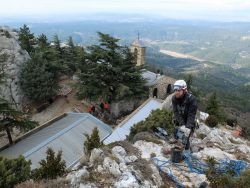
184,108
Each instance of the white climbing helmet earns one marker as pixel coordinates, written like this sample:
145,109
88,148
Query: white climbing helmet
180,84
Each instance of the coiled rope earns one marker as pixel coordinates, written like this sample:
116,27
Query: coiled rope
194,165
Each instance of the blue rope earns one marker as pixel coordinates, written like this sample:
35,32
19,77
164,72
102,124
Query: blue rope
233,166
162,164
196,166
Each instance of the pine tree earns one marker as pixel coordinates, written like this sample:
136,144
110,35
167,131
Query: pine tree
131,78
51,167
70,56
191,88
13,171
42,41
71,43
39,78
57,43
80,55
92,141
213,105
9,118
110,70
189,81
26,39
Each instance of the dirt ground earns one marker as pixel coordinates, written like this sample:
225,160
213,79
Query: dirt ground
59,106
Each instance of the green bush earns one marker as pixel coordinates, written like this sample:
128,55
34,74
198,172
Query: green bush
246,132
244,180
51,167
231,122
157,118
92,141
223,181
227,179
211,171
212,121
13,171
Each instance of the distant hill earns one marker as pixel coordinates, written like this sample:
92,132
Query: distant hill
224,47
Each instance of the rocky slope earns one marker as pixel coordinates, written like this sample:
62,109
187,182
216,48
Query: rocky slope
135,165
11,57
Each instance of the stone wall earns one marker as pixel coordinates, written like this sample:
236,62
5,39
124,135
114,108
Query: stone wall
162,88
124,107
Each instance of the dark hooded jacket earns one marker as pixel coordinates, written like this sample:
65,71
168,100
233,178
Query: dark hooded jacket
185,109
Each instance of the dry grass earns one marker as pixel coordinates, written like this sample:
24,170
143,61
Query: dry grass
30,184
84,161
241,156
201,136
57,183
129,148
147,136
100,179
143,166
168,182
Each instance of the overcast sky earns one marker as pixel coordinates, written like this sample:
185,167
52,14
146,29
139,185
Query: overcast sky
229,10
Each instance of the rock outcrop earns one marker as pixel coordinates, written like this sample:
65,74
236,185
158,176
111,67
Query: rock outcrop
123,169
118,167
11,57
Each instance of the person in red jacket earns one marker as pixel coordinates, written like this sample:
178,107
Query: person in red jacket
91,109
106,107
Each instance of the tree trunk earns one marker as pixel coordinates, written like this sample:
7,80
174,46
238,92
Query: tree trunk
11,95
9,135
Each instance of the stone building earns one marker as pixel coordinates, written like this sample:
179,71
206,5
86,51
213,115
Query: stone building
162,88
160,85
139,49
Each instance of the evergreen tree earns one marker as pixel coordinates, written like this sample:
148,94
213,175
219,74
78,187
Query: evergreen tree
65,56
131,78
51,167
213,105
80,55
26,39
71,43
39,79
110,70
49,55
10,118
92,141
189,81
57,43
42,41
13,171
70,56
191,88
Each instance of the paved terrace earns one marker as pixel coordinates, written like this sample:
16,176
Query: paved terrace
66,134
138,115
